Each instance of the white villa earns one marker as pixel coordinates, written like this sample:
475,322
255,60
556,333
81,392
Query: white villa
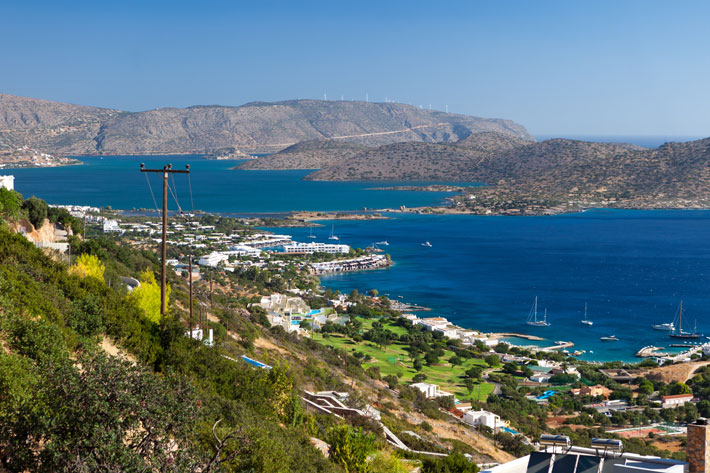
486,418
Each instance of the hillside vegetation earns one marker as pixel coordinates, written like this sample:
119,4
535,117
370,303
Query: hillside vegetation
167,402
311,154
254,127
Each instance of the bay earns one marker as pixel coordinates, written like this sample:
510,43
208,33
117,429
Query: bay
632,268
117,182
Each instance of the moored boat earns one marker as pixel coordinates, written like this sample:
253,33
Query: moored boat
680,333
532,317
586,321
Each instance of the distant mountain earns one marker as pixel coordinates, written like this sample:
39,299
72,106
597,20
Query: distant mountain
254,127
558,167
421,161
311,154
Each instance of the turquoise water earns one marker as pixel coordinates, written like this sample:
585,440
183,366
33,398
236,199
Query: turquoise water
631,267
116,181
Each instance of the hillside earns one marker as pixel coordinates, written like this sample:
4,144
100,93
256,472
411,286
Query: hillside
421,161
311,154
256,127
550,168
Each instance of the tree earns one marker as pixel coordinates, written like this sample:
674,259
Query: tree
36,211
474,372
387,462
492,360
455,360
10,203
88,266
431,358
110,415
373,292
645,386
147,296
419,377
418,365
470,384
680,388
454,463
349,448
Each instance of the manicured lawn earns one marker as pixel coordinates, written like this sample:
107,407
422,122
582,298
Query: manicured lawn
394,359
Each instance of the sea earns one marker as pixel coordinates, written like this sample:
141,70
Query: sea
631,268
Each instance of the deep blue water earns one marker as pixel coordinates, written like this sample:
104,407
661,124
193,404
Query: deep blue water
631,267
116,181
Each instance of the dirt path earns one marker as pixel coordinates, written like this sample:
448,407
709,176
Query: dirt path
681,372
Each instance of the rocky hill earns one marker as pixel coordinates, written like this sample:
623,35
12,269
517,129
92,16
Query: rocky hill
311,154
254,127
422,161
557,173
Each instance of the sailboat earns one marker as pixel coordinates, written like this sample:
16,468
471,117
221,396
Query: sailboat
427,244
332,235
586,321
532,317
311,235
680,333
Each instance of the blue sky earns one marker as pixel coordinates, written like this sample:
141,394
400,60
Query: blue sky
557,67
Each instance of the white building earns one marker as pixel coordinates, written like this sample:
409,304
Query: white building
675,400
243,250
213,259
314,247
111,226
486,418
430,390
8,182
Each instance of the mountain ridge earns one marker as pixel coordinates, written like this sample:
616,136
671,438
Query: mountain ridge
255,127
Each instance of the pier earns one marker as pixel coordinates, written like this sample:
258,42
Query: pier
651,351
517,335
558,346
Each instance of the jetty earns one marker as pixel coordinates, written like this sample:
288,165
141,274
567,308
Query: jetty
651,351
517,335
404,307
558,346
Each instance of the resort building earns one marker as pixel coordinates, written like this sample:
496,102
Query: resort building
111,226
283,304
310,248
675,400
213,259
486,418
244,250
8,182
355,264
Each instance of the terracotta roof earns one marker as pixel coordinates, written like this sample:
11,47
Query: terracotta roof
677,396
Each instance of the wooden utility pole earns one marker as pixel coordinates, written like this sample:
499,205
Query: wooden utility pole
167,170
189,278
